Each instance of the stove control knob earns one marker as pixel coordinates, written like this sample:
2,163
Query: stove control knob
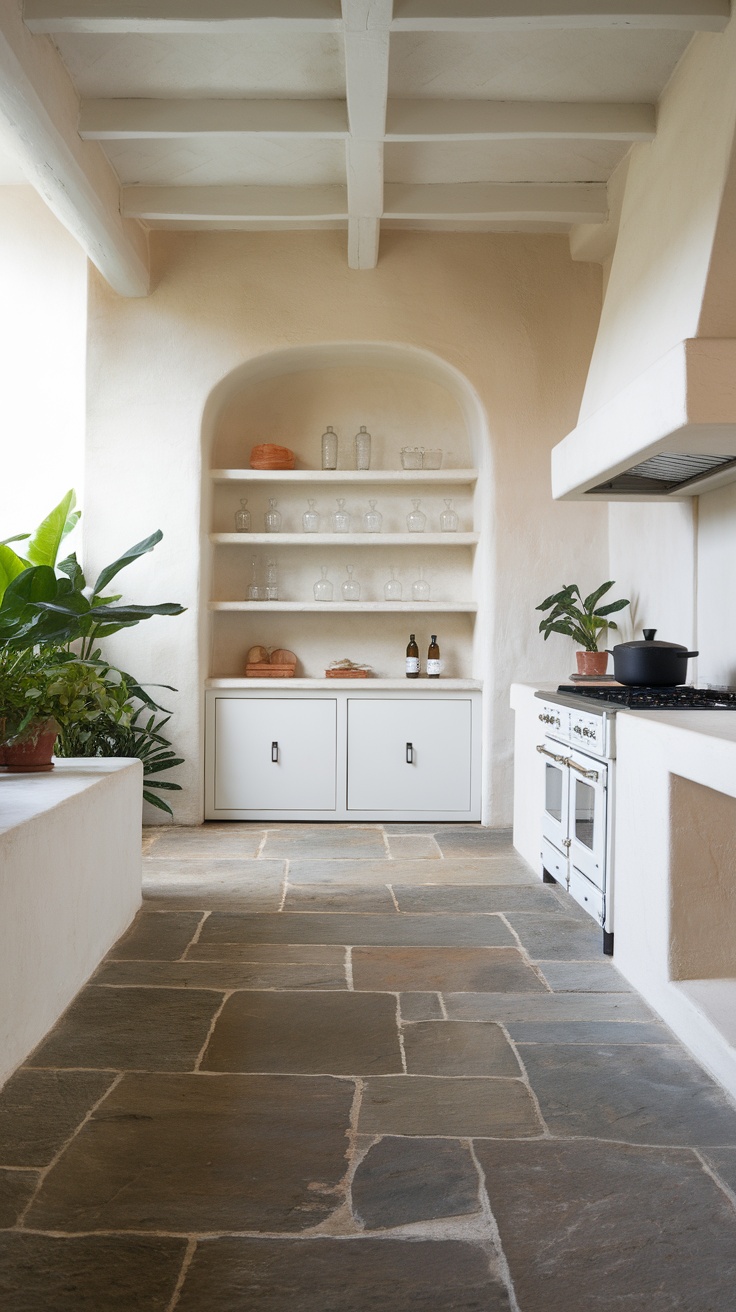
576,729
588,733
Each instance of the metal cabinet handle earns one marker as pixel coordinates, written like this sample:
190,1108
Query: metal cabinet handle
561,760
409,753
274,752
589,774
567,842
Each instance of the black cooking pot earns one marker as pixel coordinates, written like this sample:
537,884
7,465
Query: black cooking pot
656,664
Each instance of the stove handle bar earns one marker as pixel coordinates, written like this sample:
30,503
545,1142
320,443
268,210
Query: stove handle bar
589,774
561,760
565,760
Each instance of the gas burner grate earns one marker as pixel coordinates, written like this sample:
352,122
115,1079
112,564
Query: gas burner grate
682,698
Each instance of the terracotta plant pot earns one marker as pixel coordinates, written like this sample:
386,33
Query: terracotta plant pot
32,755
592,662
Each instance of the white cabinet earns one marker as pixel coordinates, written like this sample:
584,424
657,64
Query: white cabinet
350,756
413,755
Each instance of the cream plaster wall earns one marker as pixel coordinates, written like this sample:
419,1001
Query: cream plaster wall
716,594
513,314
43,314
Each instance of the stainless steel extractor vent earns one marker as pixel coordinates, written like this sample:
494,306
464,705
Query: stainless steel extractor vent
663,474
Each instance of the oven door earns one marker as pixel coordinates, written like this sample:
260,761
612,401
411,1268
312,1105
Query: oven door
556,805
587,816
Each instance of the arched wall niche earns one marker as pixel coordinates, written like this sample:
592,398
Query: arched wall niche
405,396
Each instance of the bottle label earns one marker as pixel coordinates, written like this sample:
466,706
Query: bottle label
433,668
412,664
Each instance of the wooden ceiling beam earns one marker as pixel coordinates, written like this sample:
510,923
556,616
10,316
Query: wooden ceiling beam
181,16
548,202
524,15
507,120
138,119
272,204
367,24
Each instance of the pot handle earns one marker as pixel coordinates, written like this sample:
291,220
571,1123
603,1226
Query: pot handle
691,653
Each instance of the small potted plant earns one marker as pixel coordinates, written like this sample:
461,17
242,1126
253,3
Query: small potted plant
583,619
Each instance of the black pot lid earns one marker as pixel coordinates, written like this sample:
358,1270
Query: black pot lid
649,642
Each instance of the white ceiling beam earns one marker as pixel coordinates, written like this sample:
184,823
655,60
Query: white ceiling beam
367,24
507,120
126,120
548,202
521,15
159,204
181,16
39,108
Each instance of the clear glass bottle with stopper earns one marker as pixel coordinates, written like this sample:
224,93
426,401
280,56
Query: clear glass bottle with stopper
448,518
392,589
341,517
310,519
329,448
420,589
272,581
434,664
323,589
242,517
255,591
416,519
412,658
363,448
372,519
272,517
350,588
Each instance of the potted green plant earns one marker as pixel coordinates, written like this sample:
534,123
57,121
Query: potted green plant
583,619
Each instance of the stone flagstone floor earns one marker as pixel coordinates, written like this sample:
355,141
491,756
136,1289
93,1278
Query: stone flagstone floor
361,1069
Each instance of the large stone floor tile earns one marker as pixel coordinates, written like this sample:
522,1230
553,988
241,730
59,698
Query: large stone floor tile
458,1047
553,938
403,1181
584,977
608,1227
157,936
130,1029
339,897
590,1031
205,1153
207,883
457,969
331,843
222,841
16,1191
474,842
222,975
723,1161
451,1108
457,871
121,1273
356,928
331,956
413,847
39,1110
420,1006
545,1007
306,1033
340,1275
632,1094
476,898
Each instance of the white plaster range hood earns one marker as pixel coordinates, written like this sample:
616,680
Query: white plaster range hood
670,433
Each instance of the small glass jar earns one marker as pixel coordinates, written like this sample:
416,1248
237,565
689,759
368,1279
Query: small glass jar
448,519
432,458
272,581
310,519
363,448
341,517
392,590
372,519
272,518
350,588
420,589
416,520
242,517
329,448
411,457
323,589
255,591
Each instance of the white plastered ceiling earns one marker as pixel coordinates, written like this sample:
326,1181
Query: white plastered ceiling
460,114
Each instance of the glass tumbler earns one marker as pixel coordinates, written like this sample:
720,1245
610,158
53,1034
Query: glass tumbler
242,517
416,519
323,589
372,519
272,517
310,519
350,589
411,457
448,518
329,448
341,517
363,448
392,589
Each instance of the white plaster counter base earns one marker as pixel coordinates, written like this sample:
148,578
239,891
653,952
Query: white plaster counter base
70,884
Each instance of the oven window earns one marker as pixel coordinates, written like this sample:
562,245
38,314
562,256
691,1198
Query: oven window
584,814
553,792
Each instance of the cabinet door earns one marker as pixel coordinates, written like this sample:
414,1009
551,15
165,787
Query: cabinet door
275,754
409,755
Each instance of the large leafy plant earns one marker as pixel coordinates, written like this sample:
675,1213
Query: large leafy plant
42,688
578,617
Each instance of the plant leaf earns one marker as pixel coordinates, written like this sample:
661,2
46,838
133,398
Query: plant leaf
133,553
11,566
43,547
73,570
590,602
157,801
613,606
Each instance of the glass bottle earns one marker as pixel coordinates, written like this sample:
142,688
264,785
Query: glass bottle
416,519
350,589
255,592
372,519
433,659
329,448
242,517
272,581
412,658
448,518
363,448
392,589
420,589
323,589
341,517
272,517
310,519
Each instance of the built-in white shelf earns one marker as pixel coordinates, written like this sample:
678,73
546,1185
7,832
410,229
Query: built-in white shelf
466,477
421,685
335,607
346,539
